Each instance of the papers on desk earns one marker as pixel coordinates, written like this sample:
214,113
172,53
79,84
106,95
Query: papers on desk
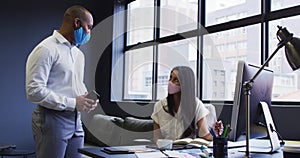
157,154
126,149
142,151
163,154
174,153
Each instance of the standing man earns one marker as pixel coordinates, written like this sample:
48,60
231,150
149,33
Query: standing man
54,81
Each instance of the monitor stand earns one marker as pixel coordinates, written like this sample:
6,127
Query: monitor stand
274,143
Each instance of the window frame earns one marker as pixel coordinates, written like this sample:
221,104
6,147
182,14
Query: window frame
263,19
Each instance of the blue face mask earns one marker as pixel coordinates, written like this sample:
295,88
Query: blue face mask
80,37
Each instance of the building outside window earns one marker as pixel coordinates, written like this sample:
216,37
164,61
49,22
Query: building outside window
169,30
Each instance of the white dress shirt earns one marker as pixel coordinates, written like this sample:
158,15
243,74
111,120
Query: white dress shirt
54,74
172,127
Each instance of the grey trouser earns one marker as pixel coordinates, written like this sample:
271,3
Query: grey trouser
57,134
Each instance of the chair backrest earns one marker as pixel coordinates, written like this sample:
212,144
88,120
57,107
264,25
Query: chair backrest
212,116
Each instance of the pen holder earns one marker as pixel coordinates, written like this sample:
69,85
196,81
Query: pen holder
220,149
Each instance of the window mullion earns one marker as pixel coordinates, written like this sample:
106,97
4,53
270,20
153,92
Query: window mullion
155,48
265,9
200,25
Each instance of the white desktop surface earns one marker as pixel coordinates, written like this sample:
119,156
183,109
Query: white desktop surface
95,152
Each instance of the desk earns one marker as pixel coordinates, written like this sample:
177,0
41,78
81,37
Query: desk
16,152
96,152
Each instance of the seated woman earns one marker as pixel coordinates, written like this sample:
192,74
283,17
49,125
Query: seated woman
181,114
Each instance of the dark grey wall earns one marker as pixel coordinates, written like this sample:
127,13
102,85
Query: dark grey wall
23,25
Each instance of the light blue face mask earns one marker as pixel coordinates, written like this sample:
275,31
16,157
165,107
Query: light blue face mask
80,37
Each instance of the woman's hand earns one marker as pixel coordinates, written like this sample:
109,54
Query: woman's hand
219,128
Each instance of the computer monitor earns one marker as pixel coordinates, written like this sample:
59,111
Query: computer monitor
261,122
260,92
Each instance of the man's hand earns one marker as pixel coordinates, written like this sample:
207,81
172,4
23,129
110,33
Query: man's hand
85,105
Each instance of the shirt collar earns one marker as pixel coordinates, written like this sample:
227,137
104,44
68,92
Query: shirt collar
61,39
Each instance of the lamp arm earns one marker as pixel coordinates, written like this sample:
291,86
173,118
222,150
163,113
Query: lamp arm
280,45
284,37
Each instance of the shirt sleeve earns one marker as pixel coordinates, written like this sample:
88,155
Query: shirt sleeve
38,67
201,112
156,108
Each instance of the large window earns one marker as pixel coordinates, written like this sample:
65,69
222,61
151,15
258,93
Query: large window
138,72
177,16
162,34
282,4
171,54
286,81
140,21
224,11
221,51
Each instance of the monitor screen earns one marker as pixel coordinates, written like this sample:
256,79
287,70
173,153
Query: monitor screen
261,91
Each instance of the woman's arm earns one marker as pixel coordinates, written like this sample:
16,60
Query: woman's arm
203,129
157,133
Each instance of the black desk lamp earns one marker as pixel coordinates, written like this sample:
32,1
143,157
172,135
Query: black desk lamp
292,52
